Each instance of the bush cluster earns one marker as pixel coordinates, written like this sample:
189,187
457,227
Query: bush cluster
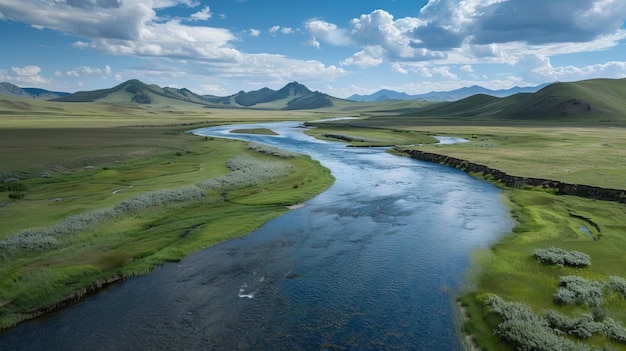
158,198
562,257
270,150
247,172
582,327
586,326
617,285
13,186
579,291
527,331
46,238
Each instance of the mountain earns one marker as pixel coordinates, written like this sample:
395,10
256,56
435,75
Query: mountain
603,100
136,92
29,93
452,95
293,96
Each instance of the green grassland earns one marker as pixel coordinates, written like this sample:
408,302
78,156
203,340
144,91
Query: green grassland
111,157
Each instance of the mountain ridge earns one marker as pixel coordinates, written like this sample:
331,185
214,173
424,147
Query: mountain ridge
452,95
293,96
9,89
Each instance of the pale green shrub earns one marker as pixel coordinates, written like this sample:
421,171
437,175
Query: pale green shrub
247,172
270,150
526,331
618,285
554,255
580,291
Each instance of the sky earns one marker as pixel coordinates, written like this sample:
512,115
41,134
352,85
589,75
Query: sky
339,47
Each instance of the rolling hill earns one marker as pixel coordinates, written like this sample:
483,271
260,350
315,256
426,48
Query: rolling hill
594,99
29,93
452,95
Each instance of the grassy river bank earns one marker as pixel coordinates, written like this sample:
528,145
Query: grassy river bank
515,300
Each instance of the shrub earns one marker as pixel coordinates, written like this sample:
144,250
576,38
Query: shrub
583,327
618,285
270,150
525,330
614,330
562,257
16,196
45,238
580,291
247,172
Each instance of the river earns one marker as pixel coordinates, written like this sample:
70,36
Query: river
373,263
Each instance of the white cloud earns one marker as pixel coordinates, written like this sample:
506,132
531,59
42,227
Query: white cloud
467,68
370,56
328,32
286,30
87,70
28,74
254,32
274,29
202,15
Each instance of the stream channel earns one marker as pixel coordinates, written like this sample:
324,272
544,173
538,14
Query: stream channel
373,263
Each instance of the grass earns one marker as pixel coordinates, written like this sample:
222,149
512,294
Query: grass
98,168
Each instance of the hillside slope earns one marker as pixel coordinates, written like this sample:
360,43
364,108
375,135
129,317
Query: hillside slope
595,99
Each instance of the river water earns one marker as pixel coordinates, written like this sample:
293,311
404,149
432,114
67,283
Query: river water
374,263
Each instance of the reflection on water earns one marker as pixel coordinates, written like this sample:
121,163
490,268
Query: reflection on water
373,263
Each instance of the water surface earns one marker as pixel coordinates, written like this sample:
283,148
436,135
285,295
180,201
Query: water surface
374,263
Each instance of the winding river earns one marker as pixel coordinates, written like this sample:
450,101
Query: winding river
374,263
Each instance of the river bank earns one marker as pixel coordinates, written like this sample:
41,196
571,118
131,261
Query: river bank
512,181
548,213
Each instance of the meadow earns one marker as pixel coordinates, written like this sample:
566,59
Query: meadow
90,200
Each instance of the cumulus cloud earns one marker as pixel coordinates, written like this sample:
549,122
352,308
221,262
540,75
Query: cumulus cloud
328,32
28,75
202,15
254,32
125,27
274,29
469,31
87,70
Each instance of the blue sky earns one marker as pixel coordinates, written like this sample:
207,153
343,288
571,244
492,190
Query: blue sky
339,47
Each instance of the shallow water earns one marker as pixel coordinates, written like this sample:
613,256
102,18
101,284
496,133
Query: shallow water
374,263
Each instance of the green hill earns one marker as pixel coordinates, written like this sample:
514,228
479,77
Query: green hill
584,101
136,92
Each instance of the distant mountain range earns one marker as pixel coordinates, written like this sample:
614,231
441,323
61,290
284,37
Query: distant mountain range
452,95
293,96
29,93
594,99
